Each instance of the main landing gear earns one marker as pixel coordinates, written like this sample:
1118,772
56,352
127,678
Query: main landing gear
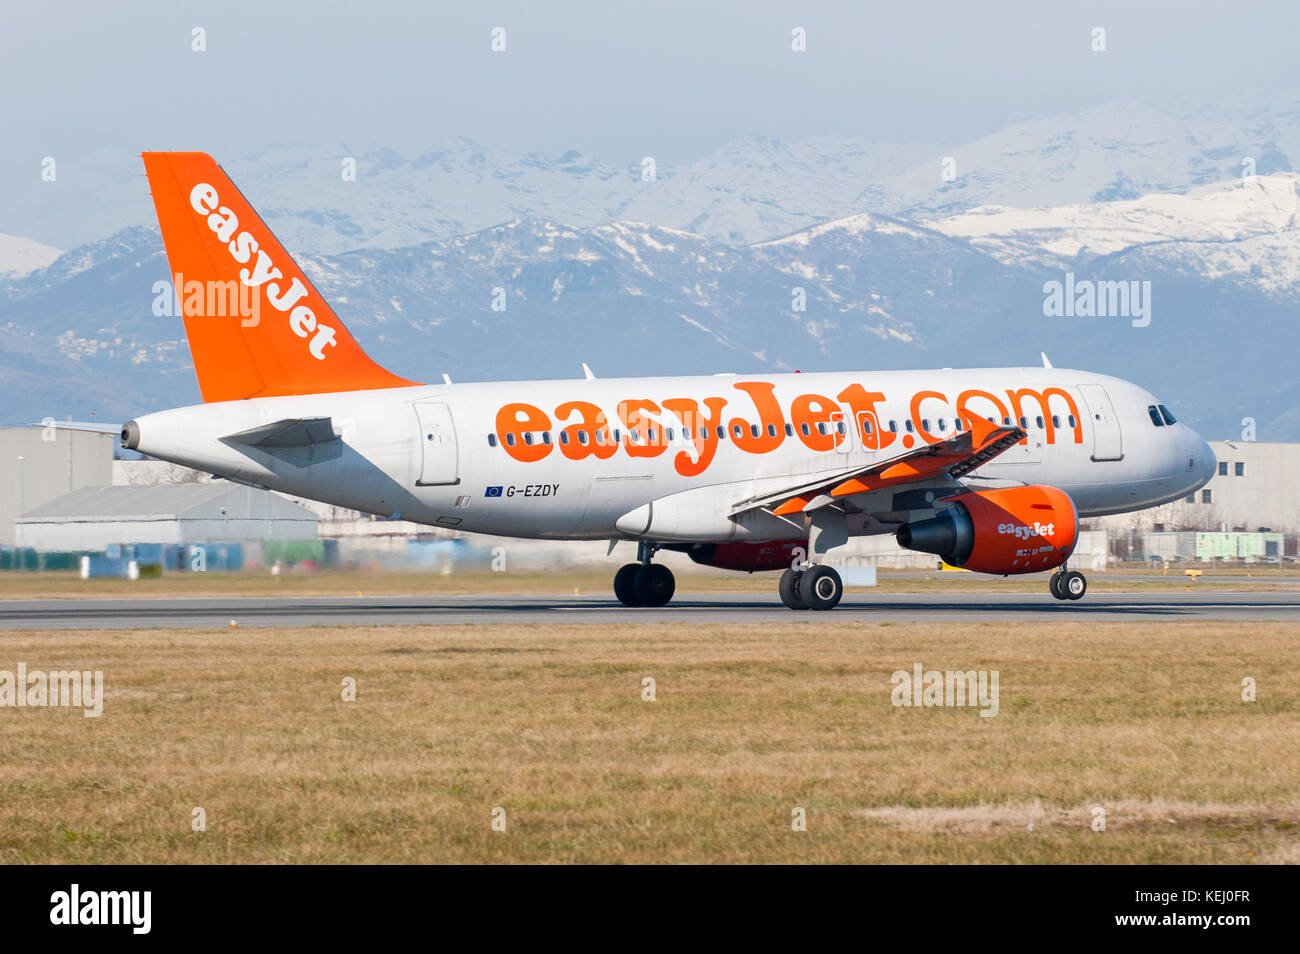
815,587
644,583
1068,584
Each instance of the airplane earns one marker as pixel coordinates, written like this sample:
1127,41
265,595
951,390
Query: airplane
989,469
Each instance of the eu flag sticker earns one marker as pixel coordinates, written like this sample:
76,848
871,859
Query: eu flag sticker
493,492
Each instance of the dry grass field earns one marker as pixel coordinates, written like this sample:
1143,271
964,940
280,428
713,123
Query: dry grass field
1144,720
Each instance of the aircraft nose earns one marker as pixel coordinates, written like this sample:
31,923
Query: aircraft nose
1202,456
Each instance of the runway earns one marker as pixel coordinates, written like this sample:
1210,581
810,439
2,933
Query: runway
209,613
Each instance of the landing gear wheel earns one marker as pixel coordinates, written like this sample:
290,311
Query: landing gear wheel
653,584
820,588
625,584
1074,585
789,590
1054,584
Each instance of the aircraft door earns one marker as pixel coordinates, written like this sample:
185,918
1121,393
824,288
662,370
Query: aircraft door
1107,443
438,453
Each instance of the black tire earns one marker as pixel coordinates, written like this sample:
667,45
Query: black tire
654,584
1054,585
820,588
789,590
1074,585
625,584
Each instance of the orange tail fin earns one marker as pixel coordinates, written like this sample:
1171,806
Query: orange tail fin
255,324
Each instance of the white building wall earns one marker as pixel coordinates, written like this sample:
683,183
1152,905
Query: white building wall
95,535
1266,495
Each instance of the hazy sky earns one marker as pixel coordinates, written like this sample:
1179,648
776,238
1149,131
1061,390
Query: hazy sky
616,80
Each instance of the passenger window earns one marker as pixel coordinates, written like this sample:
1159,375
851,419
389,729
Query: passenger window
1024,423
1006,422
492,440
908,424
546,438
957,425
1071,420
822,428
789,430
803,429
1169,418
771,430
722,433
704,433
866,425
1155,416
598,435
564,437
510,439
1056,420
618,435
582,438
651,435
738,431
893,427
753,430
528,438
634,436
840,428
1039,421
943,425
925,424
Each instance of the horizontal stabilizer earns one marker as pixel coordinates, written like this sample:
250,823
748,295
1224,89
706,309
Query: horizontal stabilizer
290,432
92,427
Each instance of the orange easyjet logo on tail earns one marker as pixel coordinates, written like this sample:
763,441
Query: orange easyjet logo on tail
242,246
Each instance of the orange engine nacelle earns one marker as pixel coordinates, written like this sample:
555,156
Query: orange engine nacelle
747,557
1013,530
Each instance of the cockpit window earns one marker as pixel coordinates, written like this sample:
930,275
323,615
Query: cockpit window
1155,416
1169,418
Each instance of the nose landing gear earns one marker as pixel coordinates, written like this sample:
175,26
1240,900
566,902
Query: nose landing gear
1068,584
644,583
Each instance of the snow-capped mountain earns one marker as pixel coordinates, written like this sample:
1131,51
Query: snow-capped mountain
19,256
828,253
1225,217
864,291
749,190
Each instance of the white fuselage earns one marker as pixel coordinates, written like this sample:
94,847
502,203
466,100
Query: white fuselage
440,455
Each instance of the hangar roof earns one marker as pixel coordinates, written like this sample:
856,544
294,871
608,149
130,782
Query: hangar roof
202,501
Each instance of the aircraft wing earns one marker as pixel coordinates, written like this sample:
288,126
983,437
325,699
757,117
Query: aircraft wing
956,456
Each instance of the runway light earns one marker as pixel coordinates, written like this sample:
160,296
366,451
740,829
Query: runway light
234,624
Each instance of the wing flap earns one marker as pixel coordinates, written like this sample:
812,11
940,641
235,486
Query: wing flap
955,456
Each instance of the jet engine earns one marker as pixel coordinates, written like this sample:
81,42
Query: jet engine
1005,531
